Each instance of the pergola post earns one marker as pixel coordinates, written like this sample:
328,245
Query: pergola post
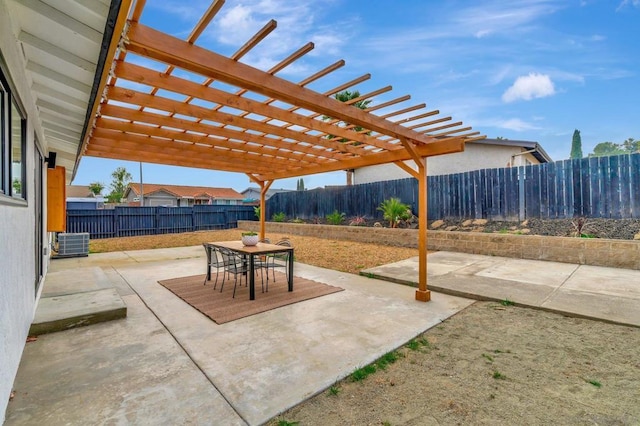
422,294
264,187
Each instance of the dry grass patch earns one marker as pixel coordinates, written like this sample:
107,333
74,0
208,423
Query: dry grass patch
345,256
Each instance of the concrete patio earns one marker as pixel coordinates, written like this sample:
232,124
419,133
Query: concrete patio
595,292
167,363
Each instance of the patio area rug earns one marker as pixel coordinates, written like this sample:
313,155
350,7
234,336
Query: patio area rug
222,308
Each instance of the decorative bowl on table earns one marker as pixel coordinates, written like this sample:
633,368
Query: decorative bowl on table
249,239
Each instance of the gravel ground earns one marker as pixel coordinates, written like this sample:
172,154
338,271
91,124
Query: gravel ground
623,229
342,256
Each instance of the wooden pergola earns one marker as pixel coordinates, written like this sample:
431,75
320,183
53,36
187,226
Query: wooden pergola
232,117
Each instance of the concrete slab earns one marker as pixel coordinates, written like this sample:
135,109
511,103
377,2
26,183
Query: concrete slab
603,307
588,291
444,262
609,281
67,311
483,288
80,280
266,363
121,372
530,271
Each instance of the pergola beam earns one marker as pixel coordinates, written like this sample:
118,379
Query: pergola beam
154,44
138,74
140,129
437,148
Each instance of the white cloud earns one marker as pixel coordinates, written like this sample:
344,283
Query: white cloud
297,24
517,125
634,3
529,87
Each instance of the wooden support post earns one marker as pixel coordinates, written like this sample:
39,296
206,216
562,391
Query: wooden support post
264,187
422,294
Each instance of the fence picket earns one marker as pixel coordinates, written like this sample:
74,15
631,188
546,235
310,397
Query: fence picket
133,221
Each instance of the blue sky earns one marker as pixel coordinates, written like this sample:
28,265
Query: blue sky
531,69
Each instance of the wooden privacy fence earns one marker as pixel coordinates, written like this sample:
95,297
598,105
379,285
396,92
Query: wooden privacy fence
132,221
599,187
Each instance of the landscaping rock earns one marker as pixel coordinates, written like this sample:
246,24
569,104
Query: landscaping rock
467,223
437,224
480,222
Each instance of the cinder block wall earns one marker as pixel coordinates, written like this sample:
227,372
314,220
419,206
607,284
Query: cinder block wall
583,251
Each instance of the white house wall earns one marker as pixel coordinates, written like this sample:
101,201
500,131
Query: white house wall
17,232
474,157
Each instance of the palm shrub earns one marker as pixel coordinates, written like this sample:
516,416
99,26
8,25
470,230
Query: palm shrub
394,210
335,218
278,217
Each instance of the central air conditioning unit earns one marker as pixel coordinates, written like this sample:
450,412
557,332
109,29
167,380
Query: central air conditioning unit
71,245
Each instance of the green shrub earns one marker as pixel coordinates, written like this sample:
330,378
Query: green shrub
256,211
278,217
394,211
335,218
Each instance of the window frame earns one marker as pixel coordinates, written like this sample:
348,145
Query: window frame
9,103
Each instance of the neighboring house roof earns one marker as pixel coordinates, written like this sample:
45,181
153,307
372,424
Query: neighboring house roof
79,191
534,147
181,191
270,191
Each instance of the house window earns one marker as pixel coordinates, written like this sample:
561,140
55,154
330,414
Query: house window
12,143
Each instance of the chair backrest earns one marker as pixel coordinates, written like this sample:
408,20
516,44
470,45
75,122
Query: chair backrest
230,259
265,240
284,242
208,249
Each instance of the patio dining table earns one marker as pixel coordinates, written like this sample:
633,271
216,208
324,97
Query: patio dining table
258,250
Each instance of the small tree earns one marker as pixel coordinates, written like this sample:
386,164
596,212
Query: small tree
96,188
121,178
300,185
604,149
576,145
394,211
631,146
346,96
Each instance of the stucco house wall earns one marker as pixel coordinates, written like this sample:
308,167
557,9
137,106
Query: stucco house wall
160,198
474,157
18,294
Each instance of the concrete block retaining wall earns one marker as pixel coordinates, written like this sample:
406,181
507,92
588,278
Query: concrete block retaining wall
583,251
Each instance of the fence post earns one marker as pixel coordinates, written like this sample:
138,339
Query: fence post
522,175
156,227
116,222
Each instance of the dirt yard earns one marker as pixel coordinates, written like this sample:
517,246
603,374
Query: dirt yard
494,364
489,364
342,256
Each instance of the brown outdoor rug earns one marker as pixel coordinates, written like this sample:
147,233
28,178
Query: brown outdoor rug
221,307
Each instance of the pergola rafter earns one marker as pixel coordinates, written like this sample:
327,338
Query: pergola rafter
287,133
